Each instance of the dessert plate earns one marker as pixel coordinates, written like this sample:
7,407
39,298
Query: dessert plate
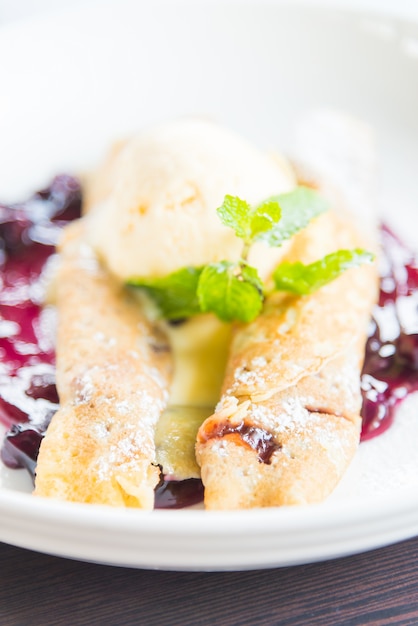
77,79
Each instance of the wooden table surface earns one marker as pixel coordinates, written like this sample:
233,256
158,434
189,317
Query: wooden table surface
375,588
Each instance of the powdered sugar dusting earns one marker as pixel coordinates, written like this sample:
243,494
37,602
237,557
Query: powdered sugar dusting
125,440
83,389
123,407
101,430
220,447
108,342
248,377
87,259
123,455
258,361
291,415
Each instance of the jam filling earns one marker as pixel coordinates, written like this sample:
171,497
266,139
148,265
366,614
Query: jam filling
254,437
28,398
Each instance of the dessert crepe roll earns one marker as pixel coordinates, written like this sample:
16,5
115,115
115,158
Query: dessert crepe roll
288,421
113,375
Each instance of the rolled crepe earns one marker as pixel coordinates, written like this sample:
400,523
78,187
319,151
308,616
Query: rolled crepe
113,375
288,422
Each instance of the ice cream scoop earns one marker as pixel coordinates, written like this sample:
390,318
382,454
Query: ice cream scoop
167,182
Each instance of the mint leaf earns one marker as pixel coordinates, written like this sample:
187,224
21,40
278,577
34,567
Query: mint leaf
298,208
175,294
264,218
276,219
230,291
249,274
236,214
305,279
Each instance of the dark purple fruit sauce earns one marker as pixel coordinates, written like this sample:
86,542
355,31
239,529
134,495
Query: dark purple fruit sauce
177,494
390,370
28,398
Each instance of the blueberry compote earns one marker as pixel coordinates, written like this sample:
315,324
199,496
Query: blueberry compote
28,396
390,369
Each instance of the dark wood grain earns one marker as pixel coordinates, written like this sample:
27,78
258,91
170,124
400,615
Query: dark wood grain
377,588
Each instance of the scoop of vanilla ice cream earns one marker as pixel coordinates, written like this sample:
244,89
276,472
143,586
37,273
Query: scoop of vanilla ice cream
160,214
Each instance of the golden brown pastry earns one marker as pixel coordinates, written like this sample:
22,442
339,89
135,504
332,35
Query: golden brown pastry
288,422
113,374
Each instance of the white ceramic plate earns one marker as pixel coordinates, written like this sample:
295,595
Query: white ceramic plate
75,80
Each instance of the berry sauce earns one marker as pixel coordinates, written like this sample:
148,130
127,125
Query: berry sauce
28,397
177,494
390,370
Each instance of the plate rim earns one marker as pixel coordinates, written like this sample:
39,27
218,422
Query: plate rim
166,540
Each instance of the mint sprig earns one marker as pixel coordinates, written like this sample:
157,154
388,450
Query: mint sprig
236,214
175,294
276,219
234,290
249,222
305,279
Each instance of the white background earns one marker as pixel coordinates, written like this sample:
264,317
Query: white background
14,10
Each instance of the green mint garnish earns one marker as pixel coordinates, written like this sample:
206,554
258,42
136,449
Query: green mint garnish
236,214
249,222
234,290
305,279
274,220
175,294
264,218
298,208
